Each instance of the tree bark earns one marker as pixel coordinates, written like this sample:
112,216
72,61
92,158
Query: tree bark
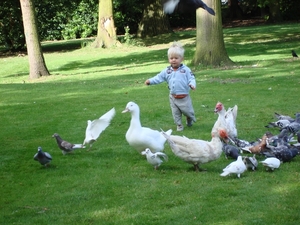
37,66
210,46
106,34
154,21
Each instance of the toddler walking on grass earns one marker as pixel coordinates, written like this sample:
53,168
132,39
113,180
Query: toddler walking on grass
180,80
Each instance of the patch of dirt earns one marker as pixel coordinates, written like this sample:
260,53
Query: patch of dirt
231,23
243,23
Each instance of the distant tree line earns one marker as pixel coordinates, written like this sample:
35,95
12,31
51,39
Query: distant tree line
64,19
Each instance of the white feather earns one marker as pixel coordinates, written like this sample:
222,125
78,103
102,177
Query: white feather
95,127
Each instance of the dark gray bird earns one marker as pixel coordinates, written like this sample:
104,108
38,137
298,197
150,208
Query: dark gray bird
65,146
298,137
281,138
283,151
43,157
293,127
285,155
279,123
294,54
284,117
251,162
241,143
185,6
230,151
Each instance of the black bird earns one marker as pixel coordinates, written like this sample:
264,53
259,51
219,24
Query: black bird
294,54
43,157
185,5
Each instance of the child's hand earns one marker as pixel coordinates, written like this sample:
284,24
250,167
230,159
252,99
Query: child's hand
192,87
147,82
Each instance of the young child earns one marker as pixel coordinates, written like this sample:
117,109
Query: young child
180,80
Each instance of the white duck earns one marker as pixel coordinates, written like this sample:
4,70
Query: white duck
197,151
237,167
97,126
226,120
271,163
155,159
140,137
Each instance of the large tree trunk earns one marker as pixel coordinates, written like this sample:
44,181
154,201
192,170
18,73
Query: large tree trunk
37,66
106,35
154,21
210,47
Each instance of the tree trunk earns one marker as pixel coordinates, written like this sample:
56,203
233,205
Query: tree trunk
106,35
154,21
37,66
210,47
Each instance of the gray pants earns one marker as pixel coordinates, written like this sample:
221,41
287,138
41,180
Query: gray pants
182,106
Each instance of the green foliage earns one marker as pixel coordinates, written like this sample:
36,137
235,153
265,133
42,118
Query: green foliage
82,22
11,25
63,19
127,13
112,183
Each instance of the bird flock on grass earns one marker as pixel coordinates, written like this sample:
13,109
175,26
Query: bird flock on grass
274,148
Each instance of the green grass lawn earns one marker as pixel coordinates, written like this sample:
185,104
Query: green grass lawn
112,183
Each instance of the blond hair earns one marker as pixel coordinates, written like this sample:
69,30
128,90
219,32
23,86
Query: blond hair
176,49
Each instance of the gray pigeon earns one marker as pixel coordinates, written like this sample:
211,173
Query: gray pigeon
283,117
293,127
231,151
251,162
65,146
279,123
43,157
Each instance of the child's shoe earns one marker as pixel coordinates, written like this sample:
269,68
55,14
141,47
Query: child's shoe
179,128
189,121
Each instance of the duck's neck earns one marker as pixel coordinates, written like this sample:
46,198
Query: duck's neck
135,119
